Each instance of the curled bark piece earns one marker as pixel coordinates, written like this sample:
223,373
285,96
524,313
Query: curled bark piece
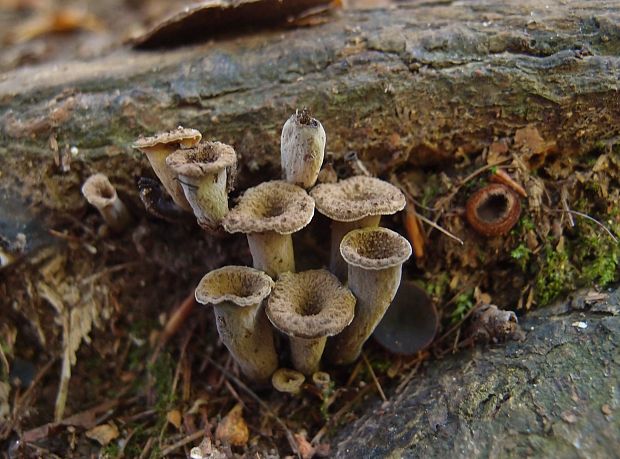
157,202
375,257
237,293
100,193
302,149
356,202
493,210
309,307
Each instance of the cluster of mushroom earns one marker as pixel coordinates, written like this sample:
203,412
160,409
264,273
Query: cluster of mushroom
313,308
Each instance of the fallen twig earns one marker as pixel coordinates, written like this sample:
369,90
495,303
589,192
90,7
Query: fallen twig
374,378
587,217
184,441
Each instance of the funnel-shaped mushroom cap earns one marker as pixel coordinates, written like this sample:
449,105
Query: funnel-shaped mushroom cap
310,304
375,248
238,284
98,191
357,197
185,137
287,380
271,206
206,158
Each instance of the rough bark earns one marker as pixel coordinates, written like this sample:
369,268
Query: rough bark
426,80
553,395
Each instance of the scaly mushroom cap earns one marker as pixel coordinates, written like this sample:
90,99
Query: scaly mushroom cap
310,304
98,191
185,137
357,197
238,284
374,248
205,158
287,380
271,206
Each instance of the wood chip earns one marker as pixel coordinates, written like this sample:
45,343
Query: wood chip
233,429
103,434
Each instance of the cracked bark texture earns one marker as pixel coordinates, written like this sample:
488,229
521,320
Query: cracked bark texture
554,395
427,81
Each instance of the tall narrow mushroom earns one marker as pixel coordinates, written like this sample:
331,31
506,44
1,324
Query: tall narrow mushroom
302,149
375,257
309,307
356,202
158,147
237,293
100,193
205,173
268,214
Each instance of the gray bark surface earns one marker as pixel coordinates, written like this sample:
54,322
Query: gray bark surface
557,394
425,81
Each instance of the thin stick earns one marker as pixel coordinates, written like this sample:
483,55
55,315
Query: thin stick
374,377
586,216
184,441
437,227
345,409
408,378
263,405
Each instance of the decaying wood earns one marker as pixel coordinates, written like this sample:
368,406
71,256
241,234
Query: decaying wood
427,81
548,396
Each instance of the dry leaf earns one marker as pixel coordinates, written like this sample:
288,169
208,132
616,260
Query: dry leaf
233,429
174,417
103,434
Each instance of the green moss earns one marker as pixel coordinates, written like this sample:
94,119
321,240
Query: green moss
111,451
462,305
556,274
437,285
162,374
521,254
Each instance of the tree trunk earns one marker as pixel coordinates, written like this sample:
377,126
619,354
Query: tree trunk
553,395
422,82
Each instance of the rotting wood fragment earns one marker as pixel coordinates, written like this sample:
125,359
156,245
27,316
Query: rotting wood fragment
212,17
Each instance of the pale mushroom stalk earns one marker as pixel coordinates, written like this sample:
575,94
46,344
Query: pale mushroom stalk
302,149
353,203
337,265
375,257
205,176
237,293
158,147
268,214
272,252
306,353
100,193
308,307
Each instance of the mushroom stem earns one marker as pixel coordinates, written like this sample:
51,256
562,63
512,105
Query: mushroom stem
247,334
100,193
306,353
374,291
157,158
272,252
208,196
375,257
337,265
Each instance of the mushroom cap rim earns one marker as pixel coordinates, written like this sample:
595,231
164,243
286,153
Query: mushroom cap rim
351,257
182,164
262,291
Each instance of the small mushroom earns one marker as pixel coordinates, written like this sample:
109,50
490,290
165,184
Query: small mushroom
268,214
410,323
158,147
493,210
321,380
375,257
356,202
302,149
205,173
100,193
237,293
309,307
287,380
